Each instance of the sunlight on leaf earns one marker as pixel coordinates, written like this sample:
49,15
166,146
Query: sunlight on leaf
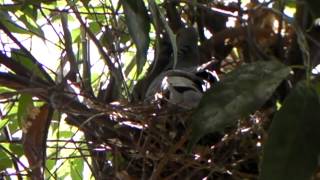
3,122
76,168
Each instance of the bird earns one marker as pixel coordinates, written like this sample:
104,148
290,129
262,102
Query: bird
180,88
183,84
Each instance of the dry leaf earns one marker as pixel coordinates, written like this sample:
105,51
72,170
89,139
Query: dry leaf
33,136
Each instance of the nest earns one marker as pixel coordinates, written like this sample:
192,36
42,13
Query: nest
152,144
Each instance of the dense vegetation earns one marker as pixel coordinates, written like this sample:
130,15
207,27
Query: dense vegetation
87,108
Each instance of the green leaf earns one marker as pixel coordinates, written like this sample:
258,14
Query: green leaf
138,23
17,149
55,126
50,164
6,20
291,3
4,159
95,27
30,11
240,93
5,90
3,122
291,152
75,34
22,58
25,103
10,7
66,134
76,168
13,123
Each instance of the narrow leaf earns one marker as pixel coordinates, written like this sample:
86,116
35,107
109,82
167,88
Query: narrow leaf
11,7
31,11
156,13
3,122
25,103
292,149
138,23
240,93
22,58
6,20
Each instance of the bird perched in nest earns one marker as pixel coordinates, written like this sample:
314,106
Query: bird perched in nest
184,85
180,88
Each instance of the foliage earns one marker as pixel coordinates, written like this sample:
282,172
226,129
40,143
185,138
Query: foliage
297,148
76,79
241,92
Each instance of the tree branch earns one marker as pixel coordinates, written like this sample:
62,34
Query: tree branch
114,71
32,58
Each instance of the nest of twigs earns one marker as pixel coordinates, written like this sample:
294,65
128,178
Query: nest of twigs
152,143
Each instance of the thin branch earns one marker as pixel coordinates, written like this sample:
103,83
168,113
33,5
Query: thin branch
114,71
14,66
84,156
51,25
69,51
86,72
32,58
157,172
